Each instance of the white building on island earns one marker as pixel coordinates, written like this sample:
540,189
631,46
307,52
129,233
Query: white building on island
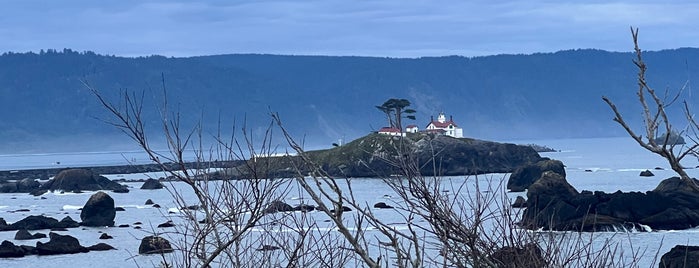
445,127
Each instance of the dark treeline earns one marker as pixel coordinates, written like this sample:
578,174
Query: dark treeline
546,95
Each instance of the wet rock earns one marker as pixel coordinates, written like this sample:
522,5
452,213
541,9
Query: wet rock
278,206
680,256
646,173
525,175
520,202
304,208
166,224
156,206
27,185
25,235
10,250
123,226
152,184
100,247
38,192
60,244
98,211
154,245
149,202
82,180
119,209
344,209
268,248
38,222
382,205
105,236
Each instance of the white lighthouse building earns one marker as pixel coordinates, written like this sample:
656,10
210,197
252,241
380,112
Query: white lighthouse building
445,127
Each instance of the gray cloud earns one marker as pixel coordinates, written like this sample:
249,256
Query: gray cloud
375,28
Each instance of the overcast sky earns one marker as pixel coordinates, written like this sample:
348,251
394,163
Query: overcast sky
394,28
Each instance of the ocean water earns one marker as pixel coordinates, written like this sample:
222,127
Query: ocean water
602,164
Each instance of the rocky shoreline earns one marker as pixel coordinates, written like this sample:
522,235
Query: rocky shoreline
46,173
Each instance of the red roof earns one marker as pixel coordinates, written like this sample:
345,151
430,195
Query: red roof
443,125
390,129
411,126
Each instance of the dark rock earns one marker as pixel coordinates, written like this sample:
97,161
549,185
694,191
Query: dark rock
77,191
268,248
152,184
192,207
28,185
59,229
166,224
68,222
646,173
149,202
82,180
121,190
304,208
100,247
659,168
520,202
382,205
344,209
123,226
137,223
119,209
525,175
8,187
527,256
156,206
137,227
29,250
98,211
60,244
9,250
36,223
21,210
25,235
680,256
278,206
154,245
105,236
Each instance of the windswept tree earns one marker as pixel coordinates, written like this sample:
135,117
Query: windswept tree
656,119
396,110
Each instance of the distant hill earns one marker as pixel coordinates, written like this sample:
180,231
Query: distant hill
323,98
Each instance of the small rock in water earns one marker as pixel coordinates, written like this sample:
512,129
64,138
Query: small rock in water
382,205
105,236
156,206
149,202
166,224
646,173
119,209
154,245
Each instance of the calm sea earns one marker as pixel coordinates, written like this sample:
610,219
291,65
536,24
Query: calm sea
602,164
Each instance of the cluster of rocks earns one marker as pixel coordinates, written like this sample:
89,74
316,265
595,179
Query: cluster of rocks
553,204
73,180
98,211
279,206
58,244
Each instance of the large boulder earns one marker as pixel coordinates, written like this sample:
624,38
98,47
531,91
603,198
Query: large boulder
40,222
98,211
72,180
25,235
27,185
10,250
680,256
60,244
524,176
154,245
152,184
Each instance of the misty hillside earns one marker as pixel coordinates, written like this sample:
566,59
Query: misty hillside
322,98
